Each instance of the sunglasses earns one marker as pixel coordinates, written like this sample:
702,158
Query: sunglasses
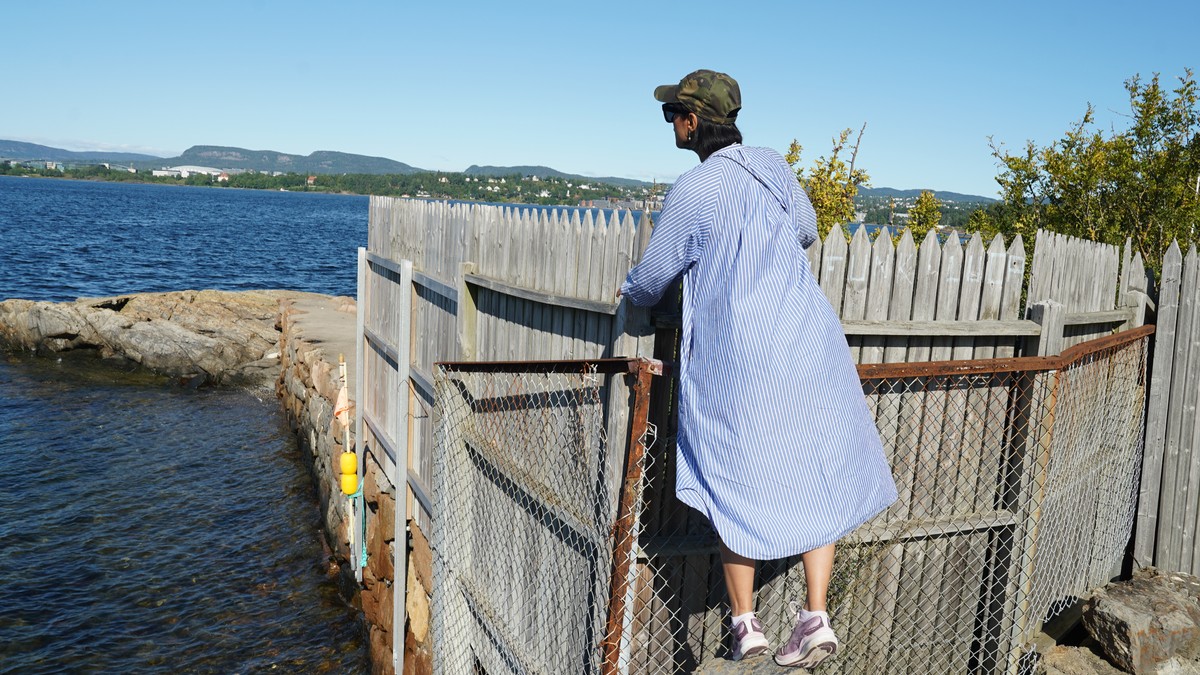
673,110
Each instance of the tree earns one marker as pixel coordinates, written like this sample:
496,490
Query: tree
924,215
1142,182
831,184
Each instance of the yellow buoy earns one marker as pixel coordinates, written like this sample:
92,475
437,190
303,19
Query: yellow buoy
348,463
349,483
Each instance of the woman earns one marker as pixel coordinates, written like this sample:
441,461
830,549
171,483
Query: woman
776,445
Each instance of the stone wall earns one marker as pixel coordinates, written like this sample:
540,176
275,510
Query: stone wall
308,387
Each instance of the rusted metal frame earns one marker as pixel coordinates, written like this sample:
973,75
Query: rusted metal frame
606,366
878,371
623,543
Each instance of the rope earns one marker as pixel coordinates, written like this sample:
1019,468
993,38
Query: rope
363,510
363,562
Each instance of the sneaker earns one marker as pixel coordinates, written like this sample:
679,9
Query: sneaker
811,643
748,639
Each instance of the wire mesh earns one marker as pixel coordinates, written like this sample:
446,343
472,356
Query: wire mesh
1017,487
527,496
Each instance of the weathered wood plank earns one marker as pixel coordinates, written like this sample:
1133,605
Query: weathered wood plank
834,255
879,293
599,240
966,409
1189,432
1175,459
858,272
941,436
942,328
918,485
813,254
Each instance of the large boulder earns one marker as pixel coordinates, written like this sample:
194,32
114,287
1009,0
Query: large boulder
204,336
1064,660
1149,624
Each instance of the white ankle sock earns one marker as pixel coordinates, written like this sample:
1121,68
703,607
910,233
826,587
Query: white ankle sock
742,618
805,615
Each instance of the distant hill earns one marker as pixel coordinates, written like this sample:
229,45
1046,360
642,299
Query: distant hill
329,162
913,194
321,161
33,151
547,172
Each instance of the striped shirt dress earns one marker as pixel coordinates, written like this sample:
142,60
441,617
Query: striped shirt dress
776,444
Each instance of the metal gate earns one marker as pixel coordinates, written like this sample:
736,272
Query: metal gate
537,511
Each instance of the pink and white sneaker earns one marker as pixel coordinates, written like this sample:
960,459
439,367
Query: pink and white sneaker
812,640
748,639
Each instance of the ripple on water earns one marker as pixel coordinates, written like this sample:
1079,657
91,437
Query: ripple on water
147,528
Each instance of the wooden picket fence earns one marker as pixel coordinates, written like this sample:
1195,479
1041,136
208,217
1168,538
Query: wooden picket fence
497,283
1169,499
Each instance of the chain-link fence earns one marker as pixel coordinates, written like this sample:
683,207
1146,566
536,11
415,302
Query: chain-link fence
528,489
1017,482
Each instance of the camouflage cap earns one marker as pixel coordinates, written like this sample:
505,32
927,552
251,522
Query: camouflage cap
711,95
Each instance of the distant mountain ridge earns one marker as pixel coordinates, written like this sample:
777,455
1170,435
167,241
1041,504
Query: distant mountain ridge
321,161
330,162
943,195
33,151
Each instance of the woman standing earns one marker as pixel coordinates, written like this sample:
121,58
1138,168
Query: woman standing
776,444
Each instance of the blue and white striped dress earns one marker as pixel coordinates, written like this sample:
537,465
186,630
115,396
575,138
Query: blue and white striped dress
776,444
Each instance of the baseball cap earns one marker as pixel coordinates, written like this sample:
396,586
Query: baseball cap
711,95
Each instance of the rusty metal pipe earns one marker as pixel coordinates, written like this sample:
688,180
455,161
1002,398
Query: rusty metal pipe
627,515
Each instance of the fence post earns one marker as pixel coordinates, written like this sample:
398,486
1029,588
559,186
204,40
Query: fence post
467,315
358,506
625,526
400,479
1049,315
1157,405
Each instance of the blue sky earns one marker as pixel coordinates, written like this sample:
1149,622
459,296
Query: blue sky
442,85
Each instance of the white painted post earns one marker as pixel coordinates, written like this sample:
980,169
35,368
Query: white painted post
358,512
400,477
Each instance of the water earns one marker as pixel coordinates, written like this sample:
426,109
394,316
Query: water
144,527
62,239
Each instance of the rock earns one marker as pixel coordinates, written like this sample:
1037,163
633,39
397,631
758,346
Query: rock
421,557
1149,623
418,657
379,646
1073,661
377,600
202,336
416,603
1178,666
379,552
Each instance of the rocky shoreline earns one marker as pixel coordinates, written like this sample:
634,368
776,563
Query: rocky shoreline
199,337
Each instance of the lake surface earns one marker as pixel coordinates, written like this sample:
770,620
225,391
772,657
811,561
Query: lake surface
144,527
63,239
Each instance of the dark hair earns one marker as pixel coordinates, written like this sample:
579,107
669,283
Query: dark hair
710,137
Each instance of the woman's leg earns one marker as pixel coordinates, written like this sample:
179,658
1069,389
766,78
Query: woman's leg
813,639
739,581
818,567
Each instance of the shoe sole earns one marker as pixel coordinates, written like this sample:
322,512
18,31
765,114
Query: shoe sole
756,650
812,658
